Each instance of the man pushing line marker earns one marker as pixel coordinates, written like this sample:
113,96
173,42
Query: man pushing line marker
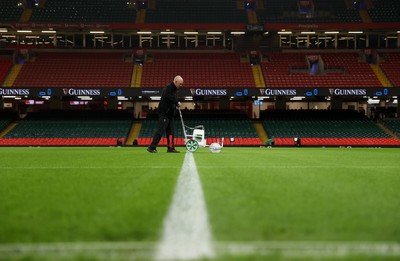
166,112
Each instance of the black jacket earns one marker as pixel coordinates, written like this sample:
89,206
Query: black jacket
169,100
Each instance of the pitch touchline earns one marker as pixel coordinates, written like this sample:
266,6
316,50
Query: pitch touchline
310,249
89,167
186,233
203,167
145,250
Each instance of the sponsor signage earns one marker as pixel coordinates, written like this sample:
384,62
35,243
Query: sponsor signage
208,92
81,92
14,92
309,92
201,92
347,92
278,92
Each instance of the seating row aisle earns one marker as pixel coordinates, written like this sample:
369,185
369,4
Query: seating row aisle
6,117
390,64
393,124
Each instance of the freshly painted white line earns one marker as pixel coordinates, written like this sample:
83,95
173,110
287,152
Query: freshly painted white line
203,167
145,250
186,233
309,249
87,167
107,251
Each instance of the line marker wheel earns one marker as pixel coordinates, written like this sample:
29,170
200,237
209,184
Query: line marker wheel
192,145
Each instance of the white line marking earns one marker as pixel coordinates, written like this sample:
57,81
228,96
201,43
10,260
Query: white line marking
145,250
203,167
106,251
88,167
186,233
310,249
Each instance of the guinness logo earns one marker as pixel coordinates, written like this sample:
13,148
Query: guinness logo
65,91
192,91
331,91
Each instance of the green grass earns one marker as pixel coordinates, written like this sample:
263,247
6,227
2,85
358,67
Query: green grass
83,194
303,194
51,195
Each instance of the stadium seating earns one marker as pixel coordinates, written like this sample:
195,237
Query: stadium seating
75,128
6,116
198,70
76,11
75,70
385,11
390,65
9,11
5,66
344,142
60,141
277,71
325,11
238,142
393,124
324,128
196,11
217,125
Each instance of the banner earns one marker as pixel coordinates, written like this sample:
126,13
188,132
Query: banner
198,92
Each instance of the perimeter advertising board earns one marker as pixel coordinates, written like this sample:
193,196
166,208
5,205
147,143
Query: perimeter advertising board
200,92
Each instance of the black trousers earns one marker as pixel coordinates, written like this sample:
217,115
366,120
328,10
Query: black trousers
165,125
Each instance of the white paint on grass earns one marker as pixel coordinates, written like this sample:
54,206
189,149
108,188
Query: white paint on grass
186,233
309,249
107,251
242,166
85,167
132,251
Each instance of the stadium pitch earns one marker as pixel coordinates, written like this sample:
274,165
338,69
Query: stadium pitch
242,204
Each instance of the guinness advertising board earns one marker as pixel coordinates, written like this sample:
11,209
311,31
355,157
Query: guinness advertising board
215,92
